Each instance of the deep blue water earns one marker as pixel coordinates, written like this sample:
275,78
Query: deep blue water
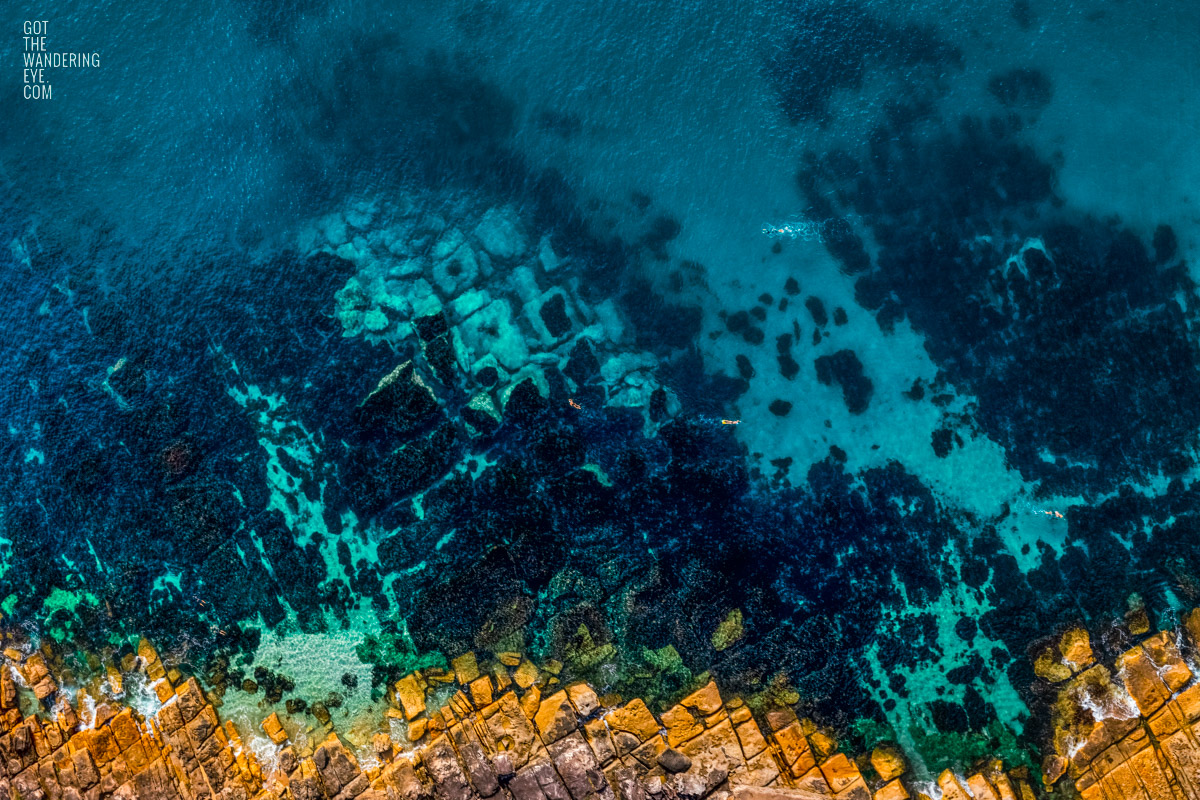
345,336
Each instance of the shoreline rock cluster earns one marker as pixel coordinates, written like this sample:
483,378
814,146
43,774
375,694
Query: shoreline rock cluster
1130,729
502,730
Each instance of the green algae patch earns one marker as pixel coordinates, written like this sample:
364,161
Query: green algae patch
599,472
659,677
729,631
393,655
583,653
960,750
6,552
868,733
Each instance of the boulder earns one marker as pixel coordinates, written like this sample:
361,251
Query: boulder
456,272
473,755
635,718
887,762
1164,654
510,726
574,761
491,330
556,717
442,765
401,400
674,761
546,255
500,234
484,418
411,696
1142,680
583,698
466,668
1076,648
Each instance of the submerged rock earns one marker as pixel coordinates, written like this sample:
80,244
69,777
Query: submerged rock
401,400
844,369
499,232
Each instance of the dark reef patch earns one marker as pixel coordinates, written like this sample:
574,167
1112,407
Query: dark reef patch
745,368
943,442
788,367
817,309
1022,88
1022,13
554,314
563,125
826,47
1064,327
844,369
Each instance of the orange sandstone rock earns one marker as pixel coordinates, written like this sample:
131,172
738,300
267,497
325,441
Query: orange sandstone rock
492,742
893,790
822,743
981,788
634,718
887,762
598,738
738,713
531,701
416,729
840,772
1076,648
682,723
466,668
715,750
583,698
1191,626
411,696
1142,680
273,728
555,717
705,700
1137,620
750,737
952,788
1047,664
525,675
481,691
1164,654
501,677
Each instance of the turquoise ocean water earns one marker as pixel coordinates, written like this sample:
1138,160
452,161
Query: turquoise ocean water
343,337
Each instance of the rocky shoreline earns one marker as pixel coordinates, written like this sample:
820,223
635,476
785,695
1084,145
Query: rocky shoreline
510,730
1131,729
503,728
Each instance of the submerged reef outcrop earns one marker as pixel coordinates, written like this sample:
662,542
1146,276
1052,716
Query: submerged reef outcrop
487,302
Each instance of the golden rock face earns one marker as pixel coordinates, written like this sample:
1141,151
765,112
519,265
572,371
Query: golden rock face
1076,648
499,737
510,730
1132,732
